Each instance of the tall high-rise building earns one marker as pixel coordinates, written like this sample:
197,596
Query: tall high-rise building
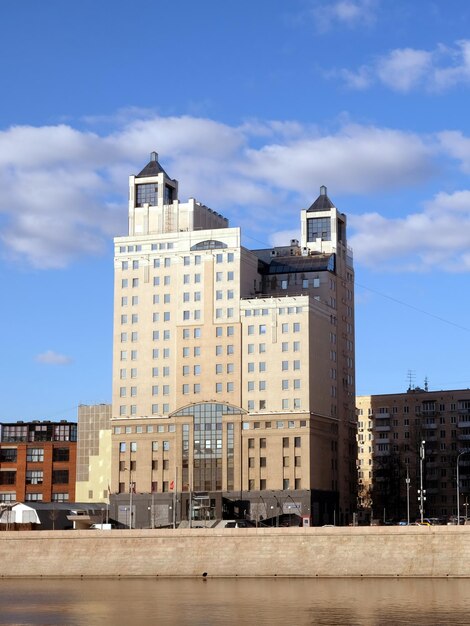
233,369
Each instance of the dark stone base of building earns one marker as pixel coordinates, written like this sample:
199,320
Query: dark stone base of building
206,509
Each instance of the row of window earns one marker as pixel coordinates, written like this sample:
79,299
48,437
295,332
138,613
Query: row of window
136,248
254,485
219,258
33,497
385,447
429,421
262,461
171,428
34,455
229,257
187,279
196,350
420,409
59,477
252,405
123,446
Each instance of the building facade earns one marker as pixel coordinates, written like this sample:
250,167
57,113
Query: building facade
233,369
392,431
38,461
93,453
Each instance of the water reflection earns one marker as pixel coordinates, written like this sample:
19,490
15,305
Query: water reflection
353,602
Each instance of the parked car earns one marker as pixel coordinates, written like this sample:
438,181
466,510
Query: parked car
241,523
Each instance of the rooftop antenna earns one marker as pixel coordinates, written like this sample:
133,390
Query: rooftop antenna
411,378
426,384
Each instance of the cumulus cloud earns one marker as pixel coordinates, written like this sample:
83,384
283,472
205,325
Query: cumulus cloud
456,145
438,236
350,13
407,69
357,159
53,358
64,191
403,69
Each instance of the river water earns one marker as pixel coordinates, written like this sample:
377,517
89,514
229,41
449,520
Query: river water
230,602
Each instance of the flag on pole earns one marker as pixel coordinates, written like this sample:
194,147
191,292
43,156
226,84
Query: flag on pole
172,484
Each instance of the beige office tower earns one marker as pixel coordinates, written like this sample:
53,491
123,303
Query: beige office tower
233,373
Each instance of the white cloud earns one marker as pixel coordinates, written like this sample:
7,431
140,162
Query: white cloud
357,159
53,358
438,237
358,80
64,190
402,69
457,146
407,69
350,13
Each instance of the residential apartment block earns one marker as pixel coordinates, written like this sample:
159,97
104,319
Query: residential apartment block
233,369
392,430
37,461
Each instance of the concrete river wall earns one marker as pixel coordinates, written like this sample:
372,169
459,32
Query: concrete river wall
415,551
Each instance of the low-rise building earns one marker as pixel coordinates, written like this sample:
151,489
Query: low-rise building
38,461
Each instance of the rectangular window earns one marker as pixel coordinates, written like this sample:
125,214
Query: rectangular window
35,455
33,497
33,477
60,477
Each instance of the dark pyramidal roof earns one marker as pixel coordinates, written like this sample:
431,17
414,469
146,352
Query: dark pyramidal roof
152,168
322,203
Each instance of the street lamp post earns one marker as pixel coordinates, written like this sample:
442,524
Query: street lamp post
130,494
458,485
408,481
131,491
421,491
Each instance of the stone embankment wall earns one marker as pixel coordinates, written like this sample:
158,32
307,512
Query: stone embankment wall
434,551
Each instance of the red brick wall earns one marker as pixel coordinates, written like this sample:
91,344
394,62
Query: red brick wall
47,466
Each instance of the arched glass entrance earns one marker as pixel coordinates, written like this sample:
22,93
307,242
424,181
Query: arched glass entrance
208,447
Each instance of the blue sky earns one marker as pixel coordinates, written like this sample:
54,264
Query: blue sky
252,105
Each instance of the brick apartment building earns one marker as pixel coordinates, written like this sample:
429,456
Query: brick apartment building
38,461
